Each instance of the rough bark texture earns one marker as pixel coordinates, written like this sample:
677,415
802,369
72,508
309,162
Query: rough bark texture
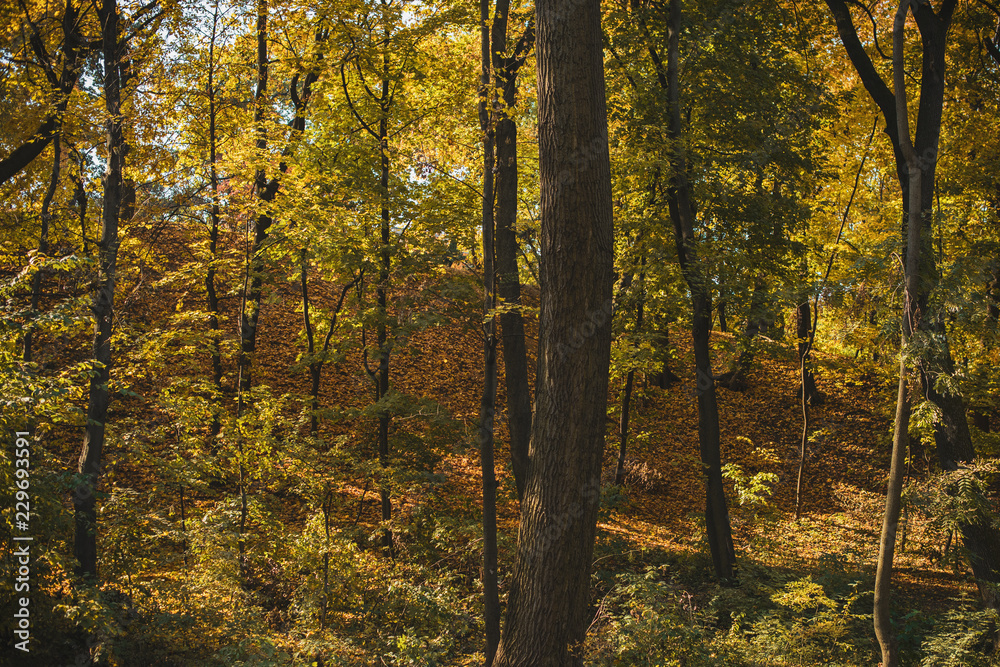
84,500
547,607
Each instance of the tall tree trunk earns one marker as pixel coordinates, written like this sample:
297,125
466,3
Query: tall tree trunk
951,434
911,315
84,499
80,198
629,382
254,278
515,359
43,240
215,215
890,523
487,409
547,606
803,328
716,512
508,287
381,295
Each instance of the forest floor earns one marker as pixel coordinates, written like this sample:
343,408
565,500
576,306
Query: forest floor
660,507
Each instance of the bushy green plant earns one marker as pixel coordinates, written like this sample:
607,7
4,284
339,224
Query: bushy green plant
963,637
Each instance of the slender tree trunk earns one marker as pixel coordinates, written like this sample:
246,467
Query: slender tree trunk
80,198
665,377
515,358
547,606
890,523
184,542
716,511
314,366
735,377
803,327
623,428
952,432
84,499
911,315
254,279
508,287
316,362
215,215
627,394
487,409
381,292
43,240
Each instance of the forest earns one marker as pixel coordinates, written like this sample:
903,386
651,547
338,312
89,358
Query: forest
560,333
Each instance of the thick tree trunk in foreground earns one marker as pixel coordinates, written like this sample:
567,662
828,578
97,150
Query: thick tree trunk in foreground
717,523
84,500
547,607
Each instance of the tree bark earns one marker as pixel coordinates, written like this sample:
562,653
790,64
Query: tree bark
62,83
515,358
381,295
757,323
547,606
487,409
508,286
629,381
215,214
951,433
803,328
911,315
716,511
84,499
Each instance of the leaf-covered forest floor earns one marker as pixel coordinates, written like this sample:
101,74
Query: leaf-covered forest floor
652,525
